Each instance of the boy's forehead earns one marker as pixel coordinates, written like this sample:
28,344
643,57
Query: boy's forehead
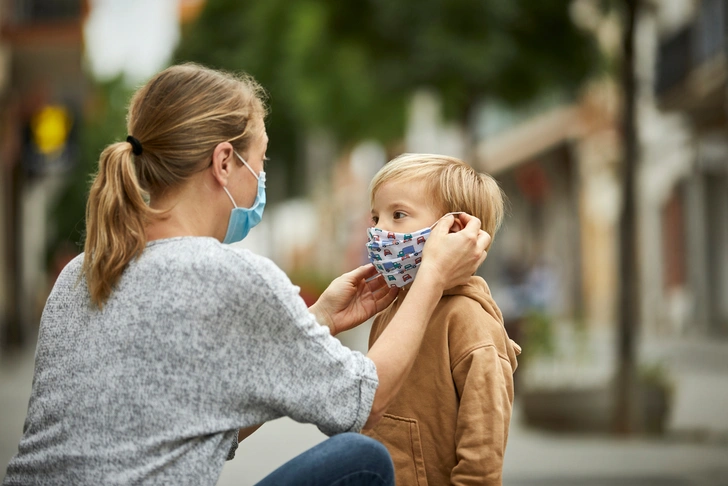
401,191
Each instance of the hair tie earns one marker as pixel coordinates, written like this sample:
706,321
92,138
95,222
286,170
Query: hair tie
136,145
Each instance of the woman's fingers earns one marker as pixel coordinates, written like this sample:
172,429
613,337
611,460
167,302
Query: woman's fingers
472,224
385,296
379,287
376,284
457,255
444,224
484,239
362,272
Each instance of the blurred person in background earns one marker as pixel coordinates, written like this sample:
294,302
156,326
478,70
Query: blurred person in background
458,397
160,347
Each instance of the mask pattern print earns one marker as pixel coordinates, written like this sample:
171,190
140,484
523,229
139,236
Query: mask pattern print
397,256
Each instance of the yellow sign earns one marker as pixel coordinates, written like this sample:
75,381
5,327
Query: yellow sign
50,128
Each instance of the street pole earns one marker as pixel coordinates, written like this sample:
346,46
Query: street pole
626,398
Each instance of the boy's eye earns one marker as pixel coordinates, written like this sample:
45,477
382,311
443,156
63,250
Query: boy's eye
399,215
375,220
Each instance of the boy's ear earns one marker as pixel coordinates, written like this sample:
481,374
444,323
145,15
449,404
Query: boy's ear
457,225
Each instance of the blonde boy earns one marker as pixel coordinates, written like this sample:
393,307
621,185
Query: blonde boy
449,422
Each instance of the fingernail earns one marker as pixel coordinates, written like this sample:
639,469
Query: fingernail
443,217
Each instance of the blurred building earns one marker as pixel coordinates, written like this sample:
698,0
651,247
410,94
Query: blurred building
189,10
557,252
42,86
560,165
560,169
685,168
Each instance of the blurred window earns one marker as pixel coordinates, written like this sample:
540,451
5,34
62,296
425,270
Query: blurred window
38,11
710,30
716,203
673,61
698,42
673,241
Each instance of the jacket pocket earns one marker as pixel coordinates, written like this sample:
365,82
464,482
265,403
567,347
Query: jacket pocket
401,436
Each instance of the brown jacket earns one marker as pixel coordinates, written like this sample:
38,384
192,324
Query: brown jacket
449,421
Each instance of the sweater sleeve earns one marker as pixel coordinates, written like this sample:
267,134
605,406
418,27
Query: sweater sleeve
233,447
298,369
485,386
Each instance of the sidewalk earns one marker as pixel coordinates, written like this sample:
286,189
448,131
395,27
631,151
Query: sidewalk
16,376
533,458
696,367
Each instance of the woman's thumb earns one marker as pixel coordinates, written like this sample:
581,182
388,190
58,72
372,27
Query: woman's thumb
444,224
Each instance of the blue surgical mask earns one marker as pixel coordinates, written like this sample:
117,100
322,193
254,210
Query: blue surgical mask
242,220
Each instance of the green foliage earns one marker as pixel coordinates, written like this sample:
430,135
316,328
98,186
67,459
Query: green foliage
349,67
312,283
655,374
103,123
538,336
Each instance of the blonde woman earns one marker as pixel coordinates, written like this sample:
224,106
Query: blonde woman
160,347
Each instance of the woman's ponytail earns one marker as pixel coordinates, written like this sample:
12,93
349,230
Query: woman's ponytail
176,119
116,216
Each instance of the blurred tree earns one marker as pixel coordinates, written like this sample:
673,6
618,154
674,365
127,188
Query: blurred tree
626,396
349,67
104,122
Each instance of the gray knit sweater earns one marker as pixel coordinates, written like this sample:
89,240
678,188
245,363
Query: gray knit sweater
197,340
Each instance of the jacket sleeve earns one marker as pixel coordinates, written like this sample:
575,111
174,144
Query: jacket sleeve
484,382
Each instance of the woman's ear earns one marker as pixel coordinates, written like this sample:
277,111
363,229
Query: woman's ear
222,162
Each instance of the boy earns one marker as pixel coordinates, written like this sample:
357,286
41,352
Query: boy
449,421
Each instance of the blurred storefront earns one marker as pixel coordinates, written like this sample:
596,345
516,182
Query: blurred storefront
556,254
686,168
560,169
42,86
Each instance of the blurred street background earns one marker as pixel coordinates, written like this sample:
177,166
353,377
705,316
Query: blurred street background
604,121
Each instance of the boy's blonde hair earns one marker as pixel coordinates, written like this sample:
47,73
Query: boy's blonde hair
450,185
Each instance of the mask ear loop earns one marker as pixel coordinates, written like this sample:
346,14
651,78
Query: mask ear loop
249,167
445,215
231,198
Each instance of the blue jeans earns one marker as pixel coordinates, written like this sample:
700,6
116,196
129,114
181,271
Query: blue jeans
343,460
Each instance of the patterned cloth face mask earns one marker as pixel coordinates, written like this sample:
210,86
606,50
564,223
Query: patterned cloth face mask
397,256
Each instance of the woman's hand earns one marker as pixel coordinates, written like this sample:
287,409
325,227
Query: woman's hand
350,299
453,257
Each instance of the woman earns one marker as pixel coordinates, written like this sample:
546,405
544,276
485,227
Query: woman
160,347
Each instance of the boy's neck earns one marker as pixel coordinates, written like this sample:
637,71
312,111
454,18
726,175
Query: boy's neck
403,291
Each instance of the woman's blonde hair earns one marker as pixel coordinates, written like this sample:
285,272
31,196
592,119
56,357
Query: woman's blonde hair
450,185
179,117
